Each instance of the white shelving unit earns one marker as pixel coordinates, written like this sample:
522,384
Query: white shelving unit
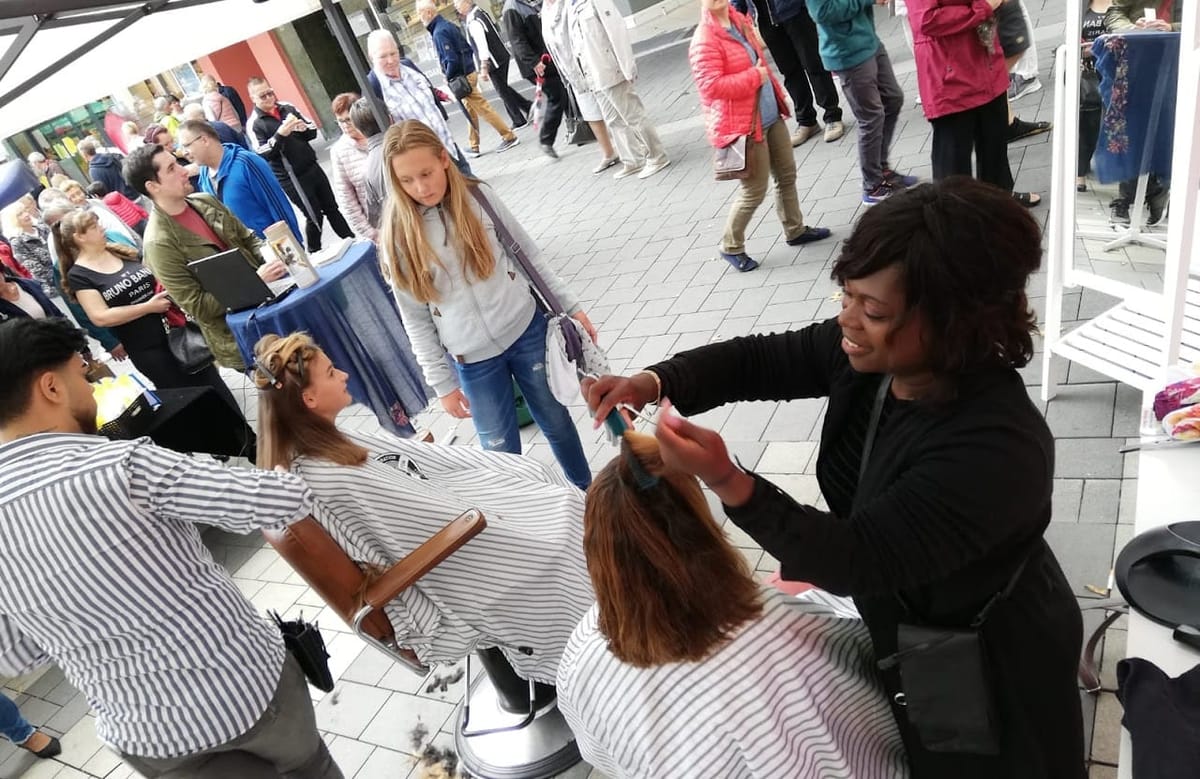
1147,331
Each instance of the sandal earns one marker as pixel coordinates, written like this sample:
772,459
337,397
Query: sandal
739,260
1027,199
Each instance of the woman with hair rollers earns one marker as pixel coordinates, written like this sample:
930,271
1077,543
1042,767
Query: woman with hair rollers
461,292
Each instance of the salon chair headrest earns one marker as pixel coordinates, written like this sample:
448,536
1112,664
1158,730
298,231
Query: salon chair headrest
1158,573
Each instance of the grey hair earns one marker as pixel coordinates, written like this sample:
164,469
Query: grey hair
378,37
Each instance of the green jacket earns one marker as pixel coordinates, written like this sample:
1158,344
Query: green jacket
168,248
1123,13
845,32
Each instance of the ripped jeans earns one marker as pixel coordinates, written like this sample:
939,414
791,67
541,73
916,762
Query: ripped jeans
488,387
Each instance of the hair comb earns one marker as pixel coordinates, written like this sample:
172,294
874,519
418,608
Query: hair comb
642,479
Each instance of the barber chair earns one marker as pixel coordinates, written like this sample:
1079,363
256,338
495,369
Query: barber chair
508,728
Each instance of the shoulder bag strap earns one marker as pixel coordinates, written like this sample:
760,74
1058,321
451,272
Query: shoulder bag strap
873,426
548,300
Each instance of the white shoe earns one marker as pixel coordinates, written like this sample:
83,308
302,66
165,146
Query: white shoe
628,170
653,166
833,131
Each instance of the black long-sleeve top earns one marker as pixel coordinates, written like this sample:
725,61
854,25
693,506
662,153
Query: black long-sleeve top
955,494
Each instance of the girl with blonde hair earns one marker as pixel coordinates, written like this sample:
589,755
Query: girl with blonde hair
520,587
461,292
217,107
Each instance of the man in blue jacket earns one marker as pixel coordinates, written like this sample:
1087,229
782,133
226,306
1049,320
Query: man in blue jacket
239,178
458,66
851,49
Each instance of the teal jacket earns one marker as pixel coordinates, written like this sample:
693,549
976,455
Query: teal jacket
846,32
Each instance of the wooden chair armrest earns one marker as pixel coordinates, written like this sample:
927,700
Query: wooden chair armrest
424,558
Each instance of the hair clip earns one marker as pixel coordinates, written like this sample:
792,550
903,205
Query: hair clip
262,367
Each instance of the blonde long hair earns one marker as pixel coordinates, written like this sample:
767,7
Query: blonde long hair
287,428
411,259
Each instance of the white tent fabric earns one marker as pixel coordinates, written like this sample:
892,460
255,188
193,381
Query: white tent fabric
152,45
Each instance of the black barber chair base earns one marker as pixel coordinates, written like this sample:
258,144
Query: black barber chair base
542,749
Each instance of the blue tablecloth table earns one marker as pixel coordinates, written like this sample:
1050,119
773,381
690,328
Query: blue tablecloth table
351,315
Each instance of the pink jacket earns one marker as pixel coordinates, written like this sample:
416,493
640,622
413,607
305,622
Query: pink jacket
727,80
218,109
955,72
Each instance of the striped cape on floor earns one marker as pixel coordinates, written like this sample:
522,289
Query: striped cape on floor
522,582
794,694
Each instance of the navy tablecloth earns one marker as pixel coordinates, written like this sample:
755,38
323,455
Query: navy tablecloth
351,315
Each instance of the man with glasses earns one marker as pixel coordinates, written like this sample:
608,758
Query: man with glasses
237,177
281,135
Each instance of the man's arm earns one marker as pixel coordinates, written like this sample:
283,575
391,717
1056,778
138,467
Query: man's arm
937,19
170,268
310,129
483,55
265,143
18,654
170,485
518,39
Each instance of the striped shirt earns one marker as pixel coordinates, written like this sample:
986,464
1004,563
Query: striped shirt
409,97
793,694
522,582
105,575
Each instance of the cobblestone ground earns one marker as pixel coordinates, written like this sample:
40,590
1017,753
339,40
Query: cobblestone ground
641,254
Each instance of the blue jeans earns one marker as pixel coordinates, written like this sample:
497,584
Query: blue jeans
12,725
488,387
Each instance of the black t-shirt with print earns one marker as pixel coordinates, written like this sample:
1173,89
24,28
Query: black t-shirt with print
131,285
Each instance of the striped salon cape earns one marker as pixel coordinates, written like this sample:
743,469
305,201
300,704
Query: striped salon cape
793,695
522,582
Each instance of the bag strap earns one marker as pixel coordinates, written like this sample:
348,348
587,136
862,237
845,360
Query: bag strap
868,444
873,426
982,616
547,297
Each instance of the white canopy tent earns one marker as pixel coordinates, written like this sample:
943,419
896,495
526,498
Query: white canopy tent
113,44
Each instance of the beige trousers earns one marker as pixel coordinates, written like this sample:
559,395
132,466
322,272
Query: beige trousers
478,106
773,157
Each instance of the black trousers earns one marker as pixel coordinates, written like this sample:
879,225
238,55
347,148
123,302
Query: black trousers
982,130
1089,136
320,198
556,105
515,103
793,46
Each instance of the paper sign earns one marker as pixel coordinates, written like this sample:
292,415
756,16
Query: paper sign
1149,14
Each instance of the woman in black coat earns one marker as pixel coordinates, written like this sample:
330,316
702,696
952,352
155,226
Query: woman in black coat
954,497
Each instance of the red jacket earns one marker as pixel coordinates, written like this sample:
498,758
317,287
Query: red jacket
954,71
727,80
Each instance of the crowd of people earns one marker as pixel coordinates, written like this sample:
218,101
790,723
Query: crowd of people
621,594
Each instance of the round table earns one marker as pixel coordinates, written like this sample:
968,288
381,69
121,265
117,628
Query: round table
352,316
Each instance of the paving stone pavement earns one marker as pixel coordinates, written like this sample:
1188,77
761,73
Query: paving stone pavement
641,254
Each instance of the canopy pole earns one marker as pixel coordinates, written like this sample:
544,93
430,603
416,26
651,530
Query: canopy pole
355,59
132,18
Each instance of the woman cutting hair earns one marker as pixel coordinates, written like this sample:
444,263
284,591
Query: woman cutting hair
686,667
936,466
460,292
520,586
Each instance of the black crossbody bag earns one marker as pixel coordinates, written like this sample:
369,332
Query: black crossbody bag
946,686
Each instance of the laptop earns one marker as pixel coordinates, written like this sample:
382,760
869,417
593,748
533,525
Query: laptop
235,284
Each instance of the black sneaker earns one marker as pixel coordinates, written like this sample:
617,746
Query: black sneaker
810,234
549,151
1119,213
1157,204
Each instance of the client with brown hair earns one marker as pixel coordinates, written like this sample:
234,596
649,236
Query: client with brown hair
521,586
687,667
